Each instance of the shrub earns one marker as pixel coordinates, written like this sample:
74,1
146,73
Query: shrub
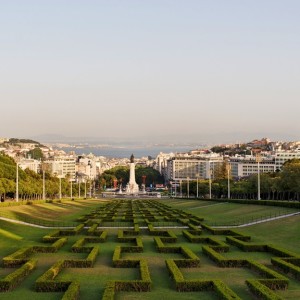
261,291
14,278
287,266
72,293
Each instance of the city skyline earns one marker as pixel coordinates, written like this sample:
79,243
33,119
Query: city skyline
161,71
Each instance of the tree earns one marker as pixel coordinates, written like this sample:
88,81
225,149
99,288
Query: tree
36,153
290,179
122,175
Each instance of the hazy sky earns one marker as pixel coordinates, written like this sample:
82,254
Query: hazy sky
195,70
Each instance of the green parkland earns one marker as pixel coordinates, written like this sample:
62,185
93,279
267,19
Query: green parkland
133,249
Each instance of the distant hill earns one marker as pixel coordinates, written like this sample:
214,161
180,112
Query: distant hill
23,141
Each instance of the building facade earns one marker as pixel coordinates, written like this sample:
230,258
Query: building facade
183,168
62,166
283,156
246,166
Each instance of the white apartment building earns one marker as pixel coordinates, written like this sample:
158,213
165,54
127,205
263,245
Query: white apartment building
31,164
183,167
88,167
282,156
161,162
62,166
246,166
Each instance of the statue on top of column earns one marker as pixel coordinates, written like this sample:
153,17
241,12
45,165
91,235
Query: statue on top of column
132,158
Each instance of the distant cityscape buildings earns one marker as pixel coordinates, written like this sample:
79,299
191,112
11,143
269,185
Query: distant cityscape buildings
192,165
201,164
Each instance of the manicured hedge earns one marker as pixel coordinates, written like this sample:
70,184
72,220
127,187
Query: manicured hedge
123,263
223,291
17,258
174,271
92,230
228,232
142,285
221,261
261,291
281,252
287,266
72,293
46,283
247,247
160,246
74,231
182,285
274,280
109,292
13,279
191,259
53,236
194,227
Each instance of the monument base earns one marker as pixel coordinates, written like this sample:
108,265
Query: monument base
132,189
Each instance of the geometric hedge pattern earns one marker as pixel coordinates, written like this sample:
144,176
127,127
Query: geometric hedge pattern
181,238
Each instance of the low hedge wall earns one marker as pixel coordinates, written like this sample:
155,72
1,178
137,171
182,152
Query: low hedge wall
221,261
191,259
142,285
93,229
193,227
281,252
261,291
17,258
46,283
58,243
274,280
246,246
74,231
53,236
160,246
109,291
83,263
123,263
223,291
9,282
182,285
72,293
229,232
286,266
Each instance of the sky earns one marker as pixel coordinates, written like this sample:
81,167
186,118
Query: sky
156,70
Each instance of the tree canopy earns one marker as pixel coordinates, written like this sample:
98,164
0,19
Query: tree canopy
121,174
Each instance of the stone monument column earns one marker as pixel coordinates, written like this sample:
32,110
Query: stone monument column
132,187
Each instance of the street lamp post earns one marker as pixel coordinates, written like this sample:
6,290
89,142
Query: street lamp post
44,189
17,183
79,189
188,186
209,180
59,188
175,189
228,168
71,189
180,183
197,176
85,189
258,160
